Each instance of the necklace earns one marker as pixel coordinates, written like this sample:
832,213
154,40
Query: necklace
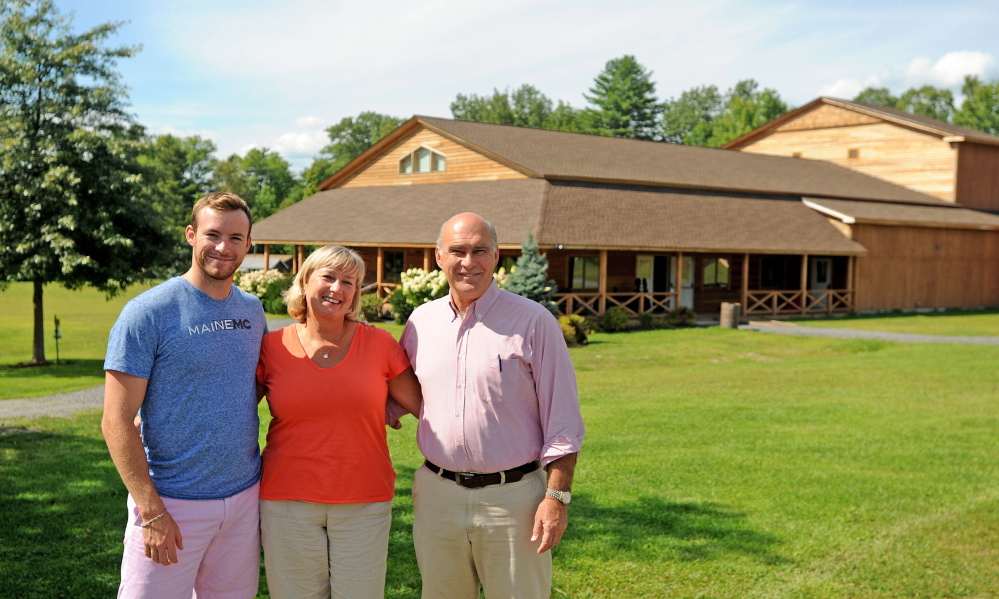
326,352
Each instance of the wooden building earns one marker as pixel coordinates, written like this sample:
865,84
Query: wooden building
952,163
652,226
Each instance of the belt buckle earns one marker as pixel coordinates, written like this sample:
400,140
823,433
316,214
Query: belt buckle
458,476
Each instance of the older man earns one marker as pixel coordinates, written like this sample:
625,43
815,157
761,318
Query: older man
184,354
500,408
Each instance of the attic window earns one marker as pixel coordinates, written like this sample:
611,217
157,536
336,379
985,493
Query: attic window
422,160
853,153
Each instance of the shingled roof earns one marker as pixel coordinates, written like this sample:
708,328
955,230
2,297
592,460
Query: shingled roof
924,124
571,214
557,155
910,215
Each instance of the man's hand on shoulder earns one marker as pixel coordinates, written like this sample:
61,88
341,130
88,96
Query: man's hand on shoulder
162,539
550,523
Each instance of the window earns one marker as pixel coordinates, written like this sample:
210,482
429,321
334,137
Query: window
716,273
422,160
392,266
795,154
853,153
584,272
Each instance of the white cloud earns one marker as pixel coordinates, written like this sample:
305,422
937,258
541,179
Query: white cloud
949,70
847,88
243,150
309,121
301,143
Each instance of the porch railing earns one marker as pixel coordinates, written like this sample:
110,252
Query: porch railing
384,290
588,303
798,302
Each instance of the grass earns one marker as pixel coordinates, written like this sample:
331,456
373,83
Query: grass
85,318
972,323
717,464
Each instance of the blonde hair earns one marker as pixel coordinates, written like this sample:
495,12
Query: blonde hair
336,257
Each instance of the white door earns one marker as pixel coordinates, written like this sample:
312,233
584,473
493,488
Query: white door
686,281
820,278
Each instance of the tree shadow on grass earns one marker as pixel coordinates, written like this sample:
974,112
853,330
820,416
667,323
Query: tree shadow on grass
651,528
62,516
65,369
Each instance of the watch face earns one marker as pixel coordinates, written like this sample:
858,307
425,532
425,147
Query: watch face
566,497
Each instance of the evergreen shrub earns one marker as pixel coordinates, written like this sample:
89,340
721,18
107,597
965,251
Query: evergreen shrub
615,319
681,317
529,278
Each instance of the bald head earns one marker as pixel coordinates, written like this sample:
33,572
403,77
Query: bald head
466,221
467,253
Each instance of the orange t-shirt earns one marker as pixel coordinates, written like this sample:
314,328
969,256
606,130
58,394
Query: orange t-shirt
326,442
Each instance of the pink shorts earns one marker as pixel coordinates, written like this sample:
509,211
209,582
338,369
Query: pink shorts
221,555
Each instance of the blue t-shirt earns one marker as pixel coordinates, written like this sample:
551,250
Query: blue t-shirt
199,416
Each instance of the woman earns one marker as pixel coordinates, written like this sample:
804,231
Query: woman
327,486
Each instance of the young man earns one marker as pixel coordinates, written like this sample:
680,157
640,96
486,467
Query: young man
183,355
500,407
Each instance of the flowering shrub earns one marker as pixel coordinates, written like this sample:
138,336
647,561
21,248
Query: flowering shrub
269,286
418,287
503,277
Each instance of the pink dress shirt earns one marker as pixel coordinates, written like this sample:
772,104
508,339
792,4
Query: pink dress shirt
499,389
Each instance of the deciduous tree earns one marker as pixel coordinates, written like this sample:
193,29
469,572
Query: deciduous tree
980,109
526,106
71,210
348,139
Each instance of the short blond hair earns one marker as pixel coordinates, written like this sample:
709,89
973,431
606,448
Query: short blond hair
337,257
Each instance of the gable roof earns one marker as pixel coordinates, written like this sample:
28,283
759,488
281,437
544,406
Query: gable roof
557,155
945,131
575,215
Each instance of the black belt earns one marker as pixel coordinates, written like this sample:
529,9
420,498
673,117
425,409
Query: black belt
470,480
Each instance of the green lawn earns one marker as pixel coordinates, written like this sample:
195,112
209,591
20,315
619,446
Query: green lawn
721,464
85,319
960,323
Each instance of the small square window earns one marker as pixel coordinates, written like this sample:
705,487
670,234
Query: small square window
795,154
853,153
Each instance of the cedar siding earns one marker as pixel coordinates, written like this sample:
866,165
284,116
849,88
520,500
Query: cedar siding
978,176
463,164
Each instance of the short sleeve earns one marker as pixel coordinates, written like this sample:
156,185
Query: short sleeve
133,342
396,361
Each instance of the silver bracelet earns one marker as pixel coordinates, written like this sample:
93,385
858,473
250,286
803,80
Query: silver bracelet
150,522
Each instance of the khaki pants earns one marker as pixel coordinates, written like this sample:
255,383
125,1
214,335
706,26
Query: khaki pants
465,537
325,550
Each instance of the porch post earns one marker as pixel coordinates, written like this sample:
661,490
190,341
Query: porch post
850,265
602,282
294,259
804,283
678,285
267,257
379,270
427,252
745,283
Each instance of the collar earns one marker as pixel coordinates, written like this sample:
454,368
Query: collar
479,307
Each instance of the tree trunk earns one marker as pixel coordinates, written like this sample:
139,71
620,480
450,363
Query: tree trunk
38,349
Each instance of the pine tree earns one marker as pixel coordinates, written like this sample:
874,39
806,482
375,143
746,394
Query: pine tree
530,277
624,101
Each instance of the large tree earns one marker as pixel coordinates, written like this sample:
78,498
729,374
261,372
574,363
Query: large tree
177,172
880,96
526,106
934,102
261,177
684,114
745,107
71,209
623,101
348,139
980,109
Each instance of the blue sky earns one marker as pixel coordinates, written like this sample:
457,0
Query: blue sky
274,74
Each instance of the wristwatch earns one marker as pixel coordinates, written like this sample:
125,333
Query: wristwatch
563,496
